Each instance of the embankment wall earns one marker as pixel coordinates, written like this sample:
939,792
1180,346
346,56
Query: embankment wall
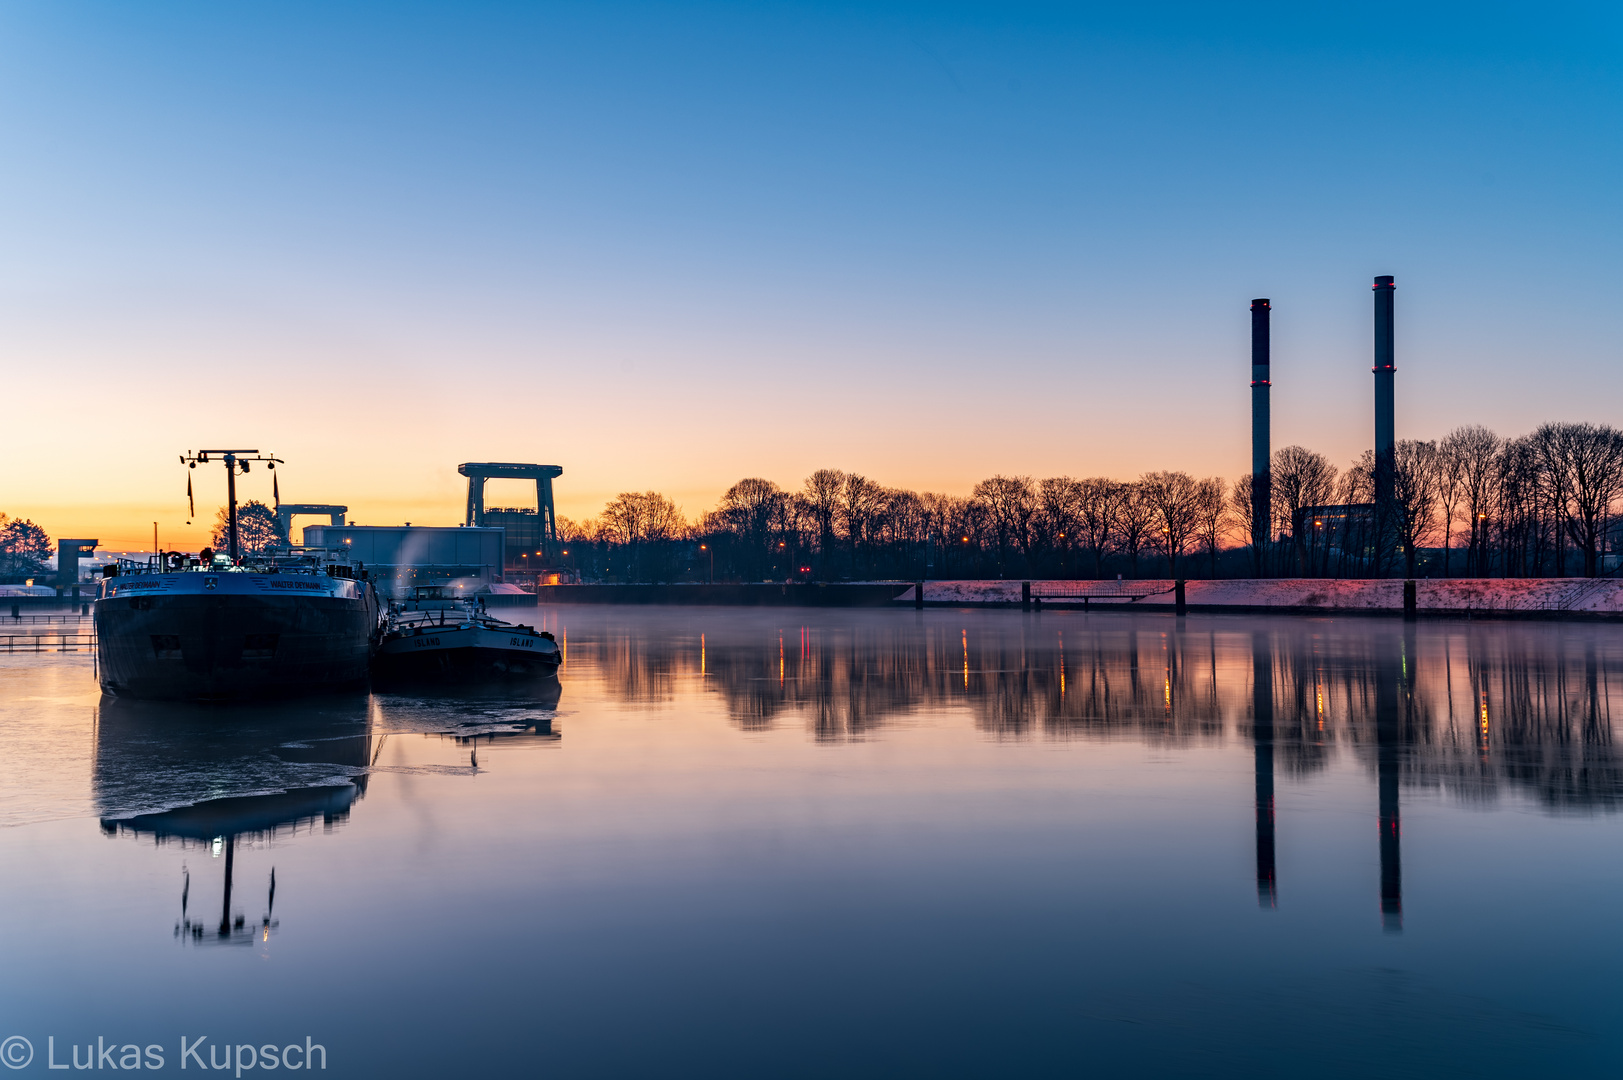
762,594
1549,598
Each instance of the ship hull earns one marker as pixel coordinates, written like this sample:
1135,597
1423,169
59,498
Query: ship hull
243,637
466,652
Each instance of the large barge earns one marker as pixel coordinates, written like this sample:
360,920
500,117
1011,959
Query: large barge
221,626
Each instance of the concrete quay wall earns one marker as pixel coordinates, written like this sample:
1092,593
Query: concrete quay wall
1548,598
755,594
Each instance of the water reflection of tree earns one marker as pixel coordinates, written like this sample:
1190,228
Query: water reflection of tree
1530,711
1479,710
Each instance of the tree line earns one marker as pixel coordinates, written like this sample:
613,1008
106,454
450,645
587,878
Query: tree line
1472,503
24,547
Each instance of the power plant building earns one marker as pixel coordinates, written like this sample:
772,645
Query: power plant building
398,557
531,534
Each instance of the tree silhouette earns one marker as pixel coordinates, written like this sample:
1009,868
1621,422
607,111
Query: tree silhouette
257,528
24,547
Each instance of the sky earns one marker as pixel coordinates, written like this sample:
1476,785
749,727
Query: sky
667,246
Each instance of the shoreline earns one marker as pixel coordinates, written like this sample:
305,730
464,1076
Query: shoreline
1553,599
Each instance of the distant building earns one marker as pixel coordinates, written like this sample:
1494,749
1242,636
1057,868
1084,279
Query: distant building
1326,536
532,535
398,557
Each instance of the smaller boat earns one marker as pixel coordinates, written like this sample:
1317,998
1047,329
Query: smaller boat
436,634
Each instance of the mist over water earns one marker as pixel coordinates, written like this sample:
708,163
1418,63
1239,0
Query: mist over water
775,842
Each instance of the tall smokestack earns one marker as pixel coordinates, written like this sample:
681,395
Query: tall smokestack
1261,448
1385,424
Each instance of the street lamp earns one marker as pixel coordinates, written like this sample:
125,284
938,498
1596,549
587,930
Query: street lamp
706,547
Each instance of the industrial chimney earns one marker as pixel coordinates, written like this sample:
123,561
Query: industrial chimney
1261,449
1385,424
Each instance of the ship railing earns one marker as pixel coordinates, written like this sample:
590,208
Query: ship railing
334,562
152,564
284,560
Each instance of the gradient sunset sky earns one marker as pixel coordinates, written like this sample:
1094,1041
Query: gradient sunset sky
671,245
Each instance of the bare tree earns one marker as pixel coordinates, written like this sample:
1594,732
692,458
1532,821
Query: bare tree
1519,507
1301,478
1472,452
1100,506
571,531
755,511
1549,444
1414,496
962,526
1135,517
638,519
1242,511
860,500
1211,516
1058,523
902,521
1468,455
942,514
1585,467
641,516
821,496
1171,496
1010,504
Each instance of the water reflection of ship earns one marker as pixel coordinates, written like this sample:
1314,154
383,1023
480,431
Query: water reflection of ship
537,729
210,778
523,731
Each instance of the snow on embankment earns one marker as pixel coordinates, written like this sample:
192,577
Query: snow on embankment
1487,596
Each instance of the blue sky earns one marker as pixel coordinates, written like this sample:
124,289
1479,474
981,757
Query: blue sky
670,245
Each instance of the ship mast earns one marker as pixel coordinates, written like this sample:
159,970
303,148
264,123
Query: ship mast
234,460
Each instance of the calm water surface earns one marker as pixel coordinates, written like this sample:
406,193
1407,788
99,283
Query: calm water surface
780,843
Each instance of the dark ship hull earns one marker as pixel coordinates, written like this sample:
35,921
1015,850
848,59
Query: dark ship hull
234,635
473,650
434,636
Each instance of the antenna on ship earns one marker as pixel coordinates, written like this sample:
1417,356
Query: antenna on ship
234,461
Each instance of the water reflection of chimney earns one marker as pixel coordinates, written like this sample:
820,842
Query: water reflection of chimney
1390,676
1132,661
1262,733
